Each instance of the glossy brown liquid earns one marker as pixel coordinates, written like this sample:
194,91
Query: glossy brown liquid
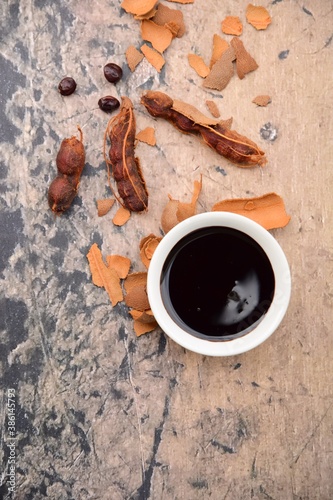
217,283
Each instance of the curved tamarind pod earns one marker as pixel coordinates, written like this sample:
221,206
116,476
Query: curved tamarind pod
186,118
126,168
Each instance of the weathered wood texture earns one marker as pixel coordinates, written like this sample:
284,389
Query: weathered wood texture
104,415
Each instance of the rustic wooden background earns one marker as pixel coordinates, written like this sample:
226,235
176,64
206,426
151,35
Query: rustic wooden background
100,413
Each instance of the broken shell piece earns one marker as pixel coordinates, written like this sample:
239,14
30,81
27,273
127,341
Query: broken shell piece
258,17
199,65
104,276
120,264
104,206
135,279
214,110
148,246
181,1
175,211
147,135
262,100
137,298
133,57
169,217
244,61
153,57
267,210
173,19
141,328
232,25
138,7
219,47
147,15
121,216
222,71
159,36
143,316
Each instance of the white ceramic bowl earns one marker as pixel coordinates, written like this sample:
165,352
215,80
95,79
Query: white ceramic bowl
271,319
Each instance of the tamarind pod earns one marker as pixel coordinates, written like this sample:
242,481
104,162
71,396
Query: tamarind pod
126,168
228,143
183,123
70,163
236,148
160,105
157,103
71,157
61,194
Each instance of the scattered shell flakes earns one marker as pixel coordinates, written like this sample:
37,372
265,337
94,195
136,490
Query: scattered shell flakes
232,25
147,135
169,215
137,298
262,100
159,36
244,61
219,47
153,57
148,15
222,71
121,216
147,247
181,1
142,316
141,328
176,211
138,7
133,57
120,264
173,19
267,210
199,65
104,276
258,17
135,279
213,109
104,206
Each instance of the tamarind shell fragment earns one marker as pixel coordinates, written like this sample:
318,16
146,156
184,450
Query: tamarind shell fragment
228,143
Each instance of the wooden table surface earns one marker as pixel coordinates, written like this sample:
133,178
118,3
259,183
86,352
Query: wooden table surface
101,414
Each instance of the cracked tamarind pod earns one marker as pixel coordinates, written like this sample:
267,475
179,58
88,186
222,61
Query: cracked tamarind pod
122,164
228,143
70,163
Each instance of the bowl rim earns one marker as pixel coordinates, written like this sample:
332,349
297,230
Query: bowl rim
272,318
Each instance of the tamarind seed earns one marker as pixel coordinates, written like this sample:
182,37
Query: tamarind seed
113,72
67,86
108,103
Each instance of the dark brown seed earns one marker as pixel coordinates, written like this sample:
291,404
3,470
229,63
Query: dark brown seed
108,103
113,72
67,86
